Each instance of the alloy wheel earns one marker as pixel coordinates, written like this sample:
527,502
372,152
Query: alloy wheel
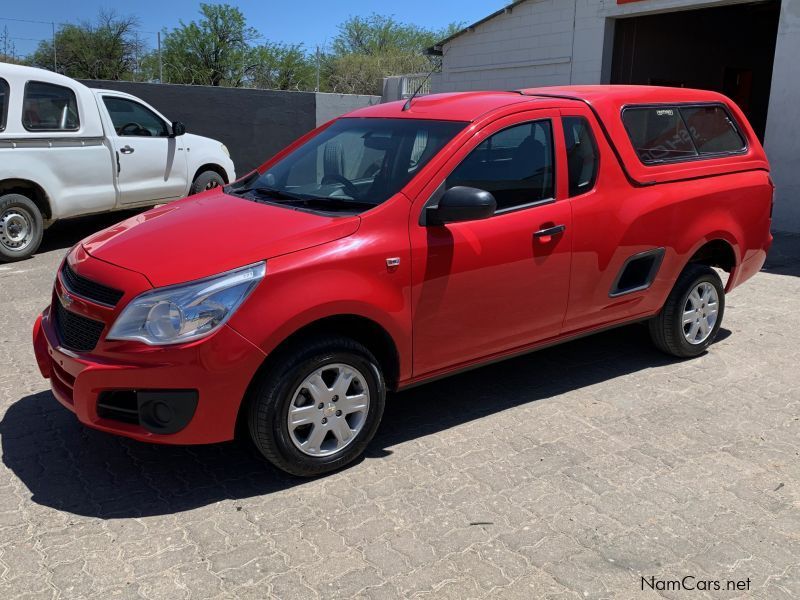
700,313
328,410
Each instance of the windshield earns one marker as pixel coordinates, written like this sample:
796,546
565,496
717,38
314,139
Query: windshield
353,165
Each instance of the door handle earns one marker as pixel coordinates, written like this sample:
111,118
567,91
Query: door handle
126,150
546,234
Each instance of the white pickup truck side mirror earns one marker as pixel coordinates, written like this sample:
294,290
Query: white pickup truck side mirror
178,129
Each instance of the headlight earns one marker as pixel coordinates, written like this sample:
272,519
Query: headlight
186,312
225,150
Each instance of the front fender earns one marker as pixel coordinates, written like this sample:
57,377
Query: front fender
203,151
347,277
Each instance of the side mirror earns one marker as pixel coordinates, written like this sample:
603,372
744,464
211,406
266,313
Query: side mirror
178,129
461,203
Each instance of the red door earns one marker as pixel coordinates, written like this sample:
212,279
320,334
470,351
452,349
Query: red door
481,288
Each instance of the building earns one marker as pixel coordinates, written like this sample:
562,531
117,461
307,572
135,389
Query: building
746,50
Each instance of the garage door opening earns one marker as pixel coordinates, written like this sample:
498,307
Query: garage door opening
728,49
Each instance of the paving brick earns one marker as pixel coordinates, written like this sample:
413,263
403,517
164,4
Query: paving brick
566,474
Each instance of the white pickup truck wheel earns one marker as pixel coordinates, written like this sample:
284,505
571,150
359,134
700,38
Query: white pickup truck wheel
21,227
207,180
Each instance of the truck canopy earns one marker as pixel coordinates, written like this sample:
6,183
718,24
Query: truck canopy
41,104
689,133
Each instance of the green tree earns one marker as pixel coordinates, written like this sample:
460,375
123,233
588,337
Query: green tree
106,49
211,51
280,67
379,34
219,50
367,49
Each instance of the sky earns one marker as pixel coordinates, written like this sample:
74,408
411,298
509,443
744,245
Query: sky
309,22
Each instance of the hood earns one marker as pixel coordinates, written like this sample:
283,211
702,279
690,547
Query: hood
192,139
209,234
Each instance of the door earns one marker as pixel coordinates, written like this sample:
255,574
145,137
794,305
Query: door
151,164
481,288
603,211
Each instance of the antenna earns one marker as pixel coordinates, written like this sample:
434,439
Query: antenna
407,105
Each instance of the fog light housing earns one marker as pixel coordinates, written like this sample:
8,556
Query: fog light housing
158,411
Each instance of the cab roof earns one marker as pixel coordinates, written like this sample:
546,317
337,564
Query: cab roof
469,106
456,106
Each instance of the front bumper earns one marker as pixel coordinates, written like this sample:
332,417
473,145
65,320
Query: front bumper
219,368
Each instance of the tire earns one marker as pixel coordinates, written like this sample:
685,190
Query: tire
283,388
667,329
207,180
21,227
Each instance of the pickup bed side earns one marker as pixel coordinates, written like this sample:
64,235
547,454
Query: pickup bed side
721,221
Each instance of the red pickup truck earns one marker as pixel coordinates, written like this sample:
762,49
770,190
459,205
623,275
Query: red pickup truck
404,242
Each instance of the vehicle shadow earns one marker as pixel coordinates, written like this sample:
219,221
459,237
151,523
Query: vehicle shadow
784,255
68,232
72,468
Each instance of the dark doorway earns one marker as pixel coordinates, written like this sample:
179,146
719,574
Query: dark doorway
729,49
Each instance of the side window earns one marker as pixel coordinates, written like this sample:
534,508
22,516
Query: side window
712,130
131,119
669,133
658,134
48,107
582,155
3,103
515,165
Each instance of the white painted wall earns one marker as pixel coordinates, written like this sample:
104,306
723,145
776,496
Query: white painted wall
562,42
533,43
782,138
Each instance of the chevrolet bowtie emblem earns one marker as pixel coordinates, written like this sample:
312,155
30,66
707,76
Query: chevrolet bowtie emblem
66,300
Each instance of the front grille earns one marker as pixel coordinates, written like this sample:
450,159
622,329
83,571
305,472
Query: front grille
75,331
86,288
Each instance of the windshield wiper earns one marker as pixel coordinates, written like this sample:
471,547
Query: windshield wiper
274,193
334,202
306,200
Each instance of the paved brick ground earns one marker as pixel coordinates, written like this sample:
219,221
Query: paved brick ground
570,473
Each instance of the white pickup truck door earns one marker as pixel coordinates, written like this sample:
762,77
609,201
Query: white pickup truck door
151,165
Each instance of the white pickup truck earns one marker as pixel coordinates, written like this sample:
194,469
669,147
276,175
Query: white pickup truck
68,150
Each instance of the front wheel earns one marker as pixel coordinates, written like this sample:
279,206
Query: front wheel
318,407
692,314
207,180
21,227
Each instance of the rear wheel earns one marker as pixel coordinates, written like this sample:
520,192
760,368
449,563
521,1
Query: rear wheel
207,180
318,407
692,314
21,227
